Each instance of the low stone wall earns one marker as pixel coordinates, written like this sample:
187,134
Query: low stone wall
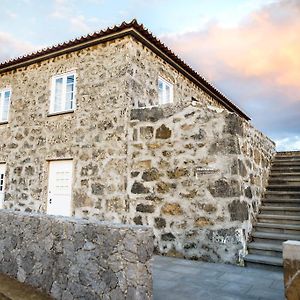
291,265
72,258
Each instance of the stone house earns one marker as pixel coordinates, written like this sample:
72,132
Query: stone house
114,126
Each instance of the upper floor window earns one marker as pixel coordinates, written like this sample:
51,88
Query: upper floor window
165,91
4,104
63,93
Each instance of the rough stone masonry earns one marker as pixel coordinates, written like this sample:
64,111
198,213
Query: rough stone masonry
291,266
71,258
192,169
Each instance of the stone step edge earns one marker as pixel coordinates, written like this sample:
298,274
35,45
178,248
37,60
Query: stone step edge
286,164
275,174
282,192
281,200
278,225
276,236
286,180
263,259
281,208
279,217
286,158
265,246
282,186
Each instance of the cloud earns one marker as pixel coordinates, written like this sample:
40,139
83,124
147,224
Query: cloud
11,47
256,63
66,11
265,45
11,14
288,144
80,24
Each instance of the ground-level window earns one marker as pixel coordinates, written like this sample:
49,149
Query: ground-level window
63,93
4,104
165,91
2,183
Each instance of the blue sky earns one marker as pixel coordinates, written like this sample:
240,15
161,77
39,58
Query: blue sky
247,48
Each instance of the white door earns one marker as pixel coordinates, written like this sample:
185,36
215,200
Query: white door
60,188
2,184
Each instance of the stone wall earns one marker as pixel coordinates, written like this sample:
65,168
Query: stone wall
291,267
72,258
94,136
197,171
191,169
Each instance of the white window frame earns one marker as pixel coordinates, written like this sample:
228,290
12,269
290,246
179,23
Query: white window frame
164,99
64,93
2,92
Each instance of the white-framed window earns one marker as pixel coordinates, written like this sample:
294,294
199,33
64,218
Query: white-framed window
5,95
63,93
165,91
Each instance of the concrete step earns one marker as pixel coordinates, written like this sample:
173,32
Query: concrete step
284,187
268,249
277,228
282,154
270,237
285,169
280,210
286,165
287,161
278,219
263,261
279,160
288,181
281,202
282,194
284,174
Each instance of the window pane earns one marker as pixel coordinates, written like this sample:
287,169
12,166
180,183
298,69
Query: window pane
160,91
70,79
70,92
5,106
58,94
70,88
69,101
167,94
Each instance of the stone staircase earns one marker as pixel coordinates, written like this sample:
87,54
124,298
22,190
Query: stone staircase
279,216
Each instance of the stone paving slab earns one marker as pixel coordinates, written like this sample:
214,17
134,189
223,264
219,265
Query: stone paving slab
11,289
179,279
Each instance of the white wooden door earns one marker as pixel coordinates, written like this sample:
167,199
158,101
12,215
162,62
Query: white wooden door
2,184
60,188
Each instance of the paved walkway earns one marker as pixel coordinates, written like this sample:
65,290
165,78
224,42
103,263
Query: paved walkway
179,279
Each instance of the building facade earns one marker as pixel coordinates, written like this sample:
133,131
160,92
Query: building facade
114,126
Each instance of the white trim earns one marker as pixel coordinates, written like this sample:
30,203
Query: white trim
2,92
166,83
64,92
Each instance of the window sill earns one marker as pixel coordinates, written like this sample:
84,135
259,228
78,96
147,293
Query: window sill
3,122
60,113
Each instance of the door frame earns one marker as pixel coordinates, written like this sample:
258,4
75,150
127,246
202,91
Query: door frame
48,161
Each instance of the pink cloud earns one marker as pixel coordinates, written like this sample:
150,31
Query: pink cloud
265,46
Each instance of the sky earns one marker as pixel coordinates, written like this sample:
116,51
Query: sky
249,49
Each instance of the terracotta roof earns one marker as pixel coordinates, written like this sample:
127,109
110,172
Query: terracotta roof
139,32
